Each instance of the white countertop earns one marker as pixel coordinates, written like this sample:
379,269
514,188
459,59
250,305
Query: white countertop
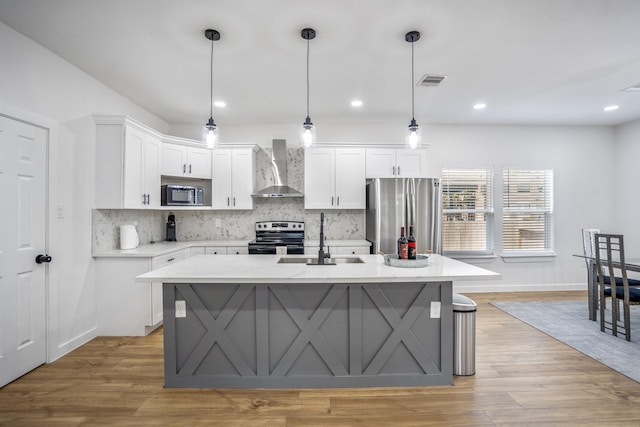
164,247
265,269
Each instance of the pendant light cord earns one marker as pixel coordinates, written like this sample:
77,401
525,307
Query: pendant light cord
413,102
307,77
211,81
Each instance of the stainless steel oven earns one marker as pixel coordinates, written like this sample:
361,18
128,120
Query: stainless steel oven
273,234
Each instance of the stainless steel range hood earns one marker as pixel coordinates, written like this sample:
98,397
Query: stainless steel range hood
279,166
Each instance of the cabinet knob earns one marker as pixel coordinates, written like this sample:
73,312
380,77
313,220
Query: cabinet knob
184,168
398,170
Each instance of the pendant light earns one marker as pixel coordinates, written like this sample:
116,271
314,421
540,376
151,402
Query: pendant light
210,131
414,133
308,134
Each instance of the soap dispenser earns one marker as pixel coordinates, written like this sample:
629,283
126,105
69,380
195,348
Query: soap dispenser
171,227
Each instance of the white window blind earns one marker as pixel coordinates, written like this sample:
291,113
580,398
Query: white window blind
467,211
527,210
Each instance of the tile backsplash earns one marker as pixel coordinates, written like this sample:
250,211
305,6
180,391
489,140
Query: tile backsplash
234,225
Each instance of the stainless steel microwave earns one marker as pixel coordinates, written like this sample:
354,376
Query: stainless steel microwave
181,195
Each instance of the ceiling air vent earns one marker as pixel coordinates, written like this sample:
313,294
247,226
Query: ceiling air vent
431,80
633,88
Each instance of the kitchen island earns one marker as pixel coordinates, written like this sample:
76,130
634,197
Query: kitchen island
246,321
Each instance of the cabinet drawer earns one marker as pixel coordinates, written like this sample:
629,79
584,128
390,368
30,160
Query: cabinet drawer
350,250
238,250
162,260
215,250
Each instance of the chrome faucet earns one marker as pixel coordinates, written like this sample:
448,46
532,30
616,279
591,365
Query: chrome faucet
321,254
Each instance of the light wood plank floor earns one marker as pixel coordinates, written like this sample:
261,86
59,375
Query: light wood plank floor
522,377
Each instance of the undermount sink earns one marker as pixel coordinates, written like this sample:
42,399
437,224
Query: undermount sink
314,260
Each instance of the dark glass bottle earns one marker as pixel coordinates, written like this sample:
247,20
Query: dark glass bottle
403,245
411,244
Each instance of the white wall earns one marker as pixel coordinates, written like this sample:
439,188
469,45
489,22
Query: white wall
626,205
39,87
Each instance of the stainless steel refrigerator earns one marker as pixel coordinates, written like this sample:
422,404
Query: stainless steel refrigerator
399,202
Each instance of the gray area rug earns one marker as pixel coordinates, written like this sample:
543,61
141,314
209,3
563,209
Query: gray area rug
568,321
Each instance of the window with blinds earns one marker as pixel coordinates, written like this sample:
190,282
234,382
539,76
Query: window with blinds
467,211
527,197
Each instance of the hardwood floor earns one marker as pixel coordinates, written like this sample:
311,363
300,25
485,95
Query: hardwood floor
522,377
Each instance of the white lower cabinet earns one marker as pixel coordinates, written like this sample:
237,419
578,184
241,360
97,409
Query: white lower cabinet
350,250
338,250
126,307
227,250
237,250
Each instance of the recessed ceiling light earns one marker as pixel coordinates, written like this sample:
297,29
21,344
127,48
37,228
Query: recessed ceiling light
356,103
479,106
611,108
220,104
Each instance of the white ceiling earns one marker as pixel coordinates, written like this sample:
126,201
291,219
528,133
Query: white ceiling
530,61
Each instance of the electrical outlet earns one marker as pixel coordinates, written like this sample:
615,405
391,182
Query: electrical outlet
181,308
217,222
435,309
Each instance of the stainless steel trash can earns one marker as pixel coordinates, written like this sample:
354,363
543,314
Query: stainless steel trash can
464,335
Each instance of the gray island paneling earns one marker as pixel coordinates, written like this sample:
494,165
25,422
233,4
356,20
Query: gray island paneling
252,323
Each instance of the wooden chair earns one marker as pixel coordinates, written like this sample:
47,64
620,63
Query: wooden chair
609,256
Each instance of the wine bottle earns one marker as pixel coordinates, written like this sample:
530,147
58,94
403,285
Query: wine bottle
403,245
411,244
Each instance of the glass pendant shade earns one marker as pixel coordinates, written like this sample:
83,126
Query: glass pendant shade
413,137
210,133
307,134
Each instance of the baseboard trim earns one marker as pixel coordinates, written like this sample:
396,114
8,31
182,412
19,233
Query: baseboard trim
462,287
70,345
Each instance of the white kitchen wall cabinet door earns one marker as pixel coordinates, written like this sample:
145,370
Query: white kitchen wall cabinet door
141,170
243,167
185,161
396,163
334,178
23,166
319,178
233,178
350,178
174,159
127,165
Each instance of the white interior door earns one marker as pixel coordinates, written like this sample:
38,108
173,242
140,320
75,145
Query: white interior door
23,166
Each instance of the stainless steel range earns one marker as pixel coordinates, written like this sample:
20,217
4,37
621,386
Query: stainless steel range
273,234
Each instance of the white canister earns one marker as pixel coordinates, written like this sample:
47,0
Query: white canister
128,237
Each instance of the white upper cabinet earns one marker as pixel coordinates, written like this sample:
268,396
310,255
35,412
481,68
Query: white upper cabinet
185,161
396,163
127,165
233,178
334,178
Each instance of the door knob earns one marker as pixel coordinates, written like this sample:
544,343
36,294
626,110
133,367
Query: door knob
42,258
